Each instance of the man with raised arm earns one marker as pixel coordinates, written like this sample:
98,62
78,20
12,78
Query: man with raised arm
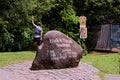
37,33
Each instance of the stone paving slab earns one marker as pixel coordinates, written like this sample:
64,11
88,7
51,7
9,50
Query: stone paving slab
21,71
112,77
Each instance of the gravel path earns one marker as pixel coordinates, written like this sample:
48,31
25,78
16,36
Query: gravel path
112,77
21,71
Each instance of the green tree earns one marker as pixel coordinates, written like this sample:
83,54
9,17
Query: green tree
19,33
63,15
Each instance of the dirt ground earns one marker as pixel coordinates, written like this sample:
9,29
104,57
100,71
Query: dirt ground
21,71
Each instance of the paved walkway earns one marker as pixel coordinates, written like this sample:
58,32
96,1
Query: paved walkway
112,77
21,71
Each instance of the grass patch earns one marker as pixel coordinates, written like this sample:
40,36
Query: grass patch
106,62
101,75
7,58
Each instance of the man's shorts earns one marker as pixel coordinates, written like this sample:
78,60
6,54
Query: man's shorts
39,42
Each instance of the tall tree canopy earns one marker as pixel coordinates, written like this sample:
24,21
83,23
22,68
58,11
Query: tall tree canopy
16,32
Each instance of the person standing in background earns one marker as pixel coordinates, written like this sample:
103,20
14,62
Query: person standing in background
37,33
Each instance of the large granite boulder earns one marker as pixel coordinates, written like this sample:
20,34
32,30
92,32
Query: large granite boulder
58,51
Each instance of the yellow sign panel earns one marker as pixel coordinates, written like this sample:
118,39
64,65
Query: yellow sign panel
83,20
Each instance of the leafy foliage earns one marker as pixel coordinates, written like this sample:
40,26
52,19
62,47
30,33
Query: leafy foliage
16,32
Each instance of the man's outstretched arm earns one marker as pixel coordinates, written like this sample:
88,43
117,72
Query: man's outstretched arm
33,20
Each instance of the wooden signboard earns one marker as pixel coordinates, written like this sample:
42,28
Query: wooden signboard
83,32
83,28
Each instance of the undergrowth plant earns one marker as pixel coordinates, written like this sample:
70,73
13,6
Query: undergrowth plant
119,61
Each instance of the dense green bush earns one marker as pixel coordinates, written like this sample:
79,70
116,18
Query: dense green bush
16,32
